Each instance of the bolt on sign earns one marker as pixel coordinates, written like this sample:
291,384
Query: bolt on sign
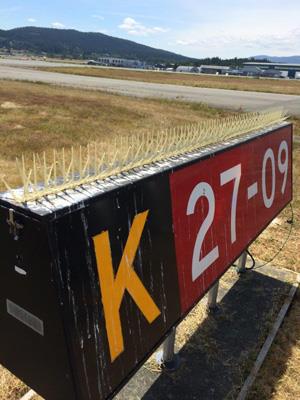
93,279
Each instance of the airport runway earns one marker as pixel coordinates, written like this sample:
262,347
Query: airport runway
220,98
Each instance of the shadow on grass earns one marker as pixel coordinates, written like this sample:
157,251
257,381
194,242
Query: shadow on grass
220,354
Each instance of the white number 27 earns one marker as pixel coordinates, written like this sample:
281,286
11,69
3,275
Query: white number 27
231,174
203,189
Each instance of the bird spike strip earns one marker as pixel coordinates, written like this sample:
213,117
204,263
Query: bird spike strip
51,173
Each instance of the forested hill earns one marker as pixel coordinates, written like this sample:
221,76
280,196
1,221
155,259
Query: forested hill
72,43
69,43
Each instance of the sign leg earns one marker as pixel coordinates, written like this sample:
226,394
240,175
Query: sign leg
241,268
212,297
166,358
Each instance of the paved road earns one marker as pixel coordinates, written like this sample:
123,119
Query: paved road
15,62
230,99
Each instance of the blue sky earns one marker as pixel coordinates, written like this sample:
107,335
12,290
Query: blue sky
190,27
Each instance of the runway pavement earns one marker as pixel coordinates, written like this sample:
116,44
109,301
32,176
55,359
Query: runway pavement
220,98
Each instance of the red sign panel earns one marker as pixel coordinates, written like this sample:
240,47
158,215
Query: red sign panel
222,203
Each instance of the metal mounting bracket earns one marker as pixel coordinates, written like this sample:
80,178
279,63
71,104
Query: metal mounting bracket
14,226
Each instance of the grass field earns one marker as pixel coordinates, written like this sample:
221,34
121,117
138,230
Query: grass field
204,81
279,377
36,117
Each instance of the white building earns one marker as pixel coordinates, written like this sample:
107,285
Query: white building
214,69
121,62
185,68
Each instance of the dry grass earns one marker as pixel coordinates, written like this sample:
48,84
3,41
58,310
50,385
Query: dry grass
279,376
37,117
204,81
10,387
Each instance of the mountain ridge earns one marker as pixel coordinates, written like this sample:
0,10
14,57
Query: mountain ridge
284,59
73,43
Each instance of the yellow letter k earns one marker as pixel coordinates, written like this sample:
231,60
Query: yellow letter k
113,288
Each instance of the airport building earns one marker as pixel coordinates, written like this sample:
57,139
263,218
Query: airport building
186,68
291,70
119,62
214,69
251,70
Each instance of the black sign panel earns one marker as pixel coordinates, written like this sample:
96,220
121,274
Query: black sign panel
136,223
32,339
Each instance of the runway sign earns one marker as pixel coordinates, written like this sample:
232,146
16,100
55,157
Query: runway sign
92,280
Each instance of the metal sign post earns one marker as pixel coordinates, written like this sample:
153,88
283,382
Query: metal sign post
212,297
241,268
166,358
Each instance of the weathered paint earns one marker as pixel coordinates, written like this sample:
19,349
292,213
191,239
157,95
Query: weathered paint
116,264
113,288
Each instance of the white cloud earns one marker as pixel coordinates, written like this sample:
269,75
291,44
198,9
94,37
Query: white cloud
57,25
251,43
289,39
133,27
262,27
186,42
98,17
31,20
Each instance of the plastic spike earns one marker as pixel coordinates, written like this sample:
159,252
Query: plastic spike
54,167
100,160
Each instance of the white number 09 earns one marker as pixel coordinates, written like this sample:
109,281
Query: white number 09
283,169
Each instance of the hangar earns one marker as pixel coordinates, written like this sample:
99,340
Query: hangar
214,69
292,69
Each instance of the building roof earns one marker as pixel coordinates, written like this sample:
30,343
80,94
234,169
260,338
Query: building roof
186,67
266,64
214,66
